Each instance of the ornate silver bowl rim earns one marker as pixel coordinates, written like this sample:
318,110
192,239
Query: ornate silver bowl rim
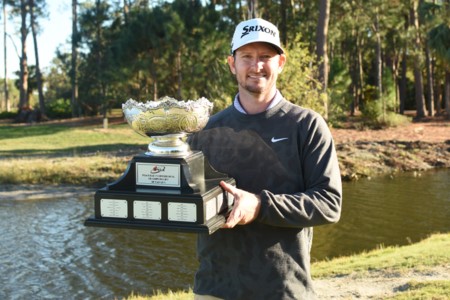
166,103
167,121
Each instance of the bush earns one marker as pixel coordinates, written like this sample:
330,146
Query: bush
393,120
59,109
375,118
8,115
297,83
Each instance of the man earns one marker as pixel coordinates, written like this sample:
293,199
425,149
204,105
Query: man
287,180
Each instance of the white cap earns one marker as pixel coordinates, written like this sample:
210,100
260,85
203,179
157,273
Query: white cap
256,30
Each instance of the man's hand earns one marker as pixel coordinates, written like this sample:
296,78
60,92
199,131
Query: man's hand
246,206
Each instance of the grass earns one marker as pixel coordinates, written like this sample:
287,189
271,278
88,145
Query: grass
423,256
94,170
60,139
426,254
53,154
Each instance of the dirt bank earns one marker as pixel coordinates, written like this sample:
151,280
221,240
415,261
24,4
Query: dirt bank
413,147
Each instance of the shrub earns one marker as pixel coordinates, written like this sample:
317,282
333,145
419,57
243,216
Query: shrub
59,109
8,115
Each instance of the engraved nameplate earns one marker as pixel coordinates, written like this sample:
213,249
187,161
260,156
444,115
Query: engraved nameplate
166,175
147,210
210,209
183,212
113,208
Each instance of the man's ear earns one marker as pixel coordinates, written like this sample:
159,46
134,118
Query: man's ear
281,62
230,61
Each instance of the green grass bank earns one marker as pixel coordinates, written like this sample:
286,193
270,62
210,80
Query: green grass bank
395,265
55,154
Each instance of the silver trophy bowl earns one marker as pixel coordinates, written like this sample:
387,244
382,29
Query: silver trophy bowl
167,122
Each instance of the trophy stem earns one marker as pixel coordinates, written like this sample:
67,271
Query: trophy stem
173,145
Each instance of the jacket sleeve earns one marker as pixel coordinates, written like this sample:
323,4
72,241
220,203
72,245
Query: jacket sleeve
321,199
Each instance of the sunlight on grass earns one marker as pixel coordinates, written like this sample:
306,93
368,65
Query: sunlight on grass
430,252
98,169
45,138
170,295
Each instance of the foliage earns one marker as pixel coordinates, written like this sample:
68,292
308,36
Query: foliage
59,109
7,115
374,116
178,48
339,86
297,82
381,113
13,94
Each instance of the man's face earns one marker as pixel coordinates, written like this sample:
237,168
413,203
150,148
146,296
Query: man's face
256,67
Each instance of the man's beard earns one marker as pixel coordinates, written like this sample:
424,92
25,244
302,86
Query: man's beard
252,88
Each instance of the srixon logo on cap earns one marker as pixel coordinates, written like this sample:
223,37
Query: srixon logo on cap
247,29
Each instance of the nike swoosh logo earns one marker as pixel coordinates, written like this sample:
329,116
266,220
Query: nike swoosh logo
274,140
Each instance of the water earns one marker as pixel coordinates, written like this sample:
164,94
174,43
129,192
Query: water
386,211
46,252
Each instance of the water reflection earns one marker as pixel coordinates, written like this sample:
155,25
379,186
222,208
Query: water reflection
386,211
46,252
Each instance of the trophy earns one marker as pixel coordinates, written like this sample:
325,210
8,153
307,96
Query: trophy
169,187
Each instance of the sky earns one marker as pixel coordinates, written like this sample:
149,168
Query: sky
55,33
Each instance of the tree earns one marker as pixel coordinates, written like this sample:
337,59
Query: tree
5,56
148,49
322,55
74,62
24,100
37,6
94,33
439,39
420,104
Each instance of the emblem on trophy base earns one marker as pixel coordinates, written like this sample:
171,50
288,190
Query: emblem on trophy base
169,187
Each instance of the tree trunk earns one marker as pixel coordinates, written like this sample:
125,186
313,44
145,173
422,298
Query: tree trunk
379,62
322,56
447,93
360,98
100,73
418,80
38,69
252,9
74,62
438,92
126,10
24,100
430,81
403,83
179,74
5,56
284,21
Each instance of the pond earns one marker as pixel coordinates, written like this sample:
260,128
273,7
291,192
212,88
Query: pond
46,252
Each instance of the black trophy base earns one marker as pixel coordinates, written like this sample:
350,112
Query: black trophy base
210,227
165,194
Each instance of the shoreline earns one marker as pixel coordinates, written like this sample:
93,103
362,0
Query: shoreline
366,159
25,192
362,153
357,160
